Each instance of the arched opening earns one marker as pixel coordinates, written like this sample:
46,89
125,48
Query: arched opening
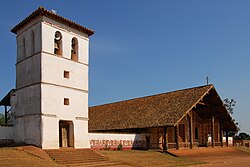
58,43
32,42
74,49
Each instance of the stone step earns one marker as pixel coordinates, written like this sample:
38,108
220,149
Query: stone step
80,157
96,164
86,158
77,155
78,161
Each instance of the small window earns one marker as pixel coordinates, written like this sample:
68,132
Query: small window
58,43
74,49
66,101
66,74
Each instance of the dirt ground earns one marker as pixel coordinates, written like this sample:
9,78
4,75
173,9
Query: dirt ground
136,158
199,157
13,157
227,156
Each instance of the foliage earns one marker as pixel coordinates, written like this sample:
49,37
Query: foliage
119,147
243,136
2,118
2,122
229,104
231,134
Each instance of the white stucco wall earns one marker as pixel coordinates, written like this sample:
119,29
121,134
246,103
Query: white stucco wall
27,129
25,34
81,137
230,140
6,132
116,136
112,140
27,101
53,102
53,68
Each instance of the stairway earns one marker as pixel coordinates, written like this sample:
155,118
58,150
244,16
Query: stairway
80,157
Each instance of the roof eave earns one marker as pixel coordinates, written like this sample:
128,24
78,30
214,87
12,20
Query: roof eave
41,11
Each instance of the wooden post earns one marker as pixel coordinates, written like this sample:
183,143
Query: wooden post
6,112
191,129
227,138
177,136
221,134
212,127
165,139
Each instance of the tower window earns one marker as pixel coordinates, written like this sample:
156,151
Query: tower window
66,101
58,43
66,74
74,49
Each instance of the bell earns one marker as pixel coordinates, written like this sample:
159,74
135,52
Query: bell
56,46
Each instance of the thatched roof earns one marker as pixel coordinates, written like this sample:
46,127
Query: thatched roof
165,109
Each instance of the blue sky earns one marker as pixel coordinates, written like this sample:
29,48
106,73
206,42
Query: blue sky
144,47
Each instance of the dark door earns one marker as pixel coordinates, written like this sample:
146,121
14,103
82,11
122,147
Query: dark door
147,142
64,134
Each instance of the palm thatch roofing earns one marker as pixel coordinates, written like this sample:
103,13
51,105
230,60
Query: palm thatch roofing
160,110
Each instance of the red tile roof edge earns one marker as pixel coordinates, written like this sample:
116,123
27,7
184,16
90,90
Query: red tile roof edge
41,11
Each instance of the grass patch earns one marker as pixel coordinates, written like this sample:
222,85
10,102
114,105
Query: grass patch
147,158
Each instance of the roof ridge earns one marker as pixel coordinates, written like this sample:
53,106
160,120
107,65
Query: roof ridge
210,85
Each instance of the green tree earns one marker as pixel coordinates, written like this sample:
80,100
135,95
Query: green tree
2,122
229,104
244,136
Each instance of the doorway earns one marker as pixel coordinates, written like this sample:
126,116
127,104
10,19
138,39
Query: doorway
147,142
66,134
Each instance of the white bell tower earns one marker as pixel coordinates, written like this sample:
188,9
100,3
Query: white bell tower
51,108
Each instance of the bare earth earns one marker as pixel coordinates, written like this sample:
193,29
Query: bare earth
227,156
30,156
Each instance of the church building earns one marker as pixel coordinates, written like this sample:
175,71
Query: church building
49,106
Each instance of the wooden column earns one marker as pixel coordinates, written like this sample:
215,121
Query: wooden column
212,126
176,128
165,138
227,138
221,134
5,112
191,135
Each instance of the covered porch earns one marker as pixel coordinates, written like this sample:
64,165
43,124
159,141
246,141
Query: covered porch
6,103
206,124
